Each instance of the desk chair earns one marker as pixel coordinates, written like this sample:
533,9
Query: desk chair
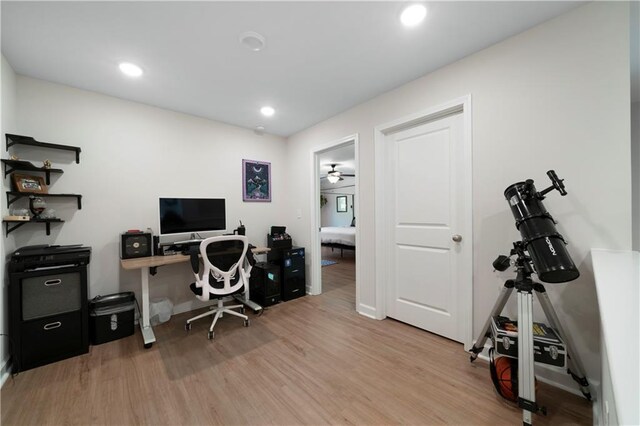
224,275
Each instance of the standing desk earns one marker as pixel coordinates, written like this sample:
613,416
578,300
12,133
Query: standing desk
149,265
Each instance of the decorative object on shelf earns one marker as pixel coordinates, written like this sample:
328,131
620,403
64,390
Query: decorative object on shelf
48,213
46,164
28,183
323,200
256,181
341,203
37,206
19,212
14,157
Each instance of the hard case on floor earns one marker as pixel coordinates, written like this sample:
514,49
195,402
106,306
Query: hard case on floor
548,348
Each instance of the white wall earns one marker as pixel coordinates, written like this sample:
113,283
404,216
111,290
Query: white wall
635,169
329,213
553,97
131,155
8,113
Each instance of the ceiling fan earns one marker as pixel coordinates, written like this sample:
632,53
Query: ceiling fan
334,175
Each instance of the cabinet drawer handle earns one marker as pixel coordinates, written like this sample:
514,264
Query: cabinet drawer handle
52,325
49,283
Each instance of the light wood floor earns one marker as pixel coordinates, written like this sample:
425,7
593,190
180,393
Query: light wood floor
308,361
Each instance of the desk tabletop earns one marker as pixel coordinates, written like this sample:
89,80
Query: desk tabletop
153,261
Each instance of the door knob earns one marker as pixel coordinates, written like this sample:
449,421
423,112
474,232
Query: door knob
457,238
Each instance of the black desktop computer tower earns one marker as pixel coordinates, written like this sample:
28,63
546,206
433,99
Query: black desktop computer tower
293,273
264,284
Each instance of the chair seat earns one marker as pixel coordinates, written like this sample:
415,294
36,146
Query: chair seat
198,292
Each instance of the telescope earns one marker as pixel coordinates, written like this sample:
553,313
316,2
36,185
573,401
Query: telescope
542,251
540,238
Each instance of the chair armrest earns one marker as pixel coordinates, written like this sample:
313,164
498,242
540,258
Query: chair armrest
195,259
251,258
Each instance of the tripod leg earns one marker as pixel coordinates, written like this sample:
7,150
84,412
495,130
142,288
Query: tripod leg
526,375
574,365
497,309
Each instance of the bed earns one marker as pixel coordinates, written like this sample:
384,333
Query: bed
342,237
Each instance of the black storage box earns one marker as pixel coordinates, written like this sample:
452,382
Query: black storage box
264,284
111,317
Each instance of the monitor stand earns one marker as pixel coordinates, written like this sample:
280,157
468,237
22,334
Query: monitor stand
193,239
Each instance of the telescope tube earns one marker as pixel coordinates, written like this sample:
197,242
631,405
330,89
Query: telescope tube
543,242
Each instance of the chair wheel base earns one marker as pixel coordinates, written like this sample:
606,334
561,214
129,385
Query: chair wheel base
247,323
187,326
210,335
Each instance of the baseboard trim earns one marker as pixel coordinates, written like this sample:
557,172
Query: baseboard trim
367,311
5,371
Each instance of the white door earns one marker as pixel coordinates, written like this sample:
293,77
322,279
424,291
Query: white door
425,218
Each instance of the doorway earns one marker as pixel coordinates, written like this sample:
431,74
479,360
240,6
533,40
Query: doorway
424,221
334,230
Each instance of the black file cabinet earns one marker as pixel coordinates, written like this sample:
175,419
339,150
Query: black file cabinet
48,315
293,273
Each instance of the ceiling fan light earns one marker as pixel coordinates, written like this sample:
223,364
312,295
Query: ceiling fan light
333,178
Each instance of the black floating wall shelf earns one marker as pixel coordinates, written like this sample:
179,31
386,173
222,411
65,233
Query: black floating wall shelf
11,166
28,140
18,223
12,196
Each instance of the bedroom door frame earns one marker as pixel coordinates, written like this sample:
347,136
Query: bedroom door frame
315,268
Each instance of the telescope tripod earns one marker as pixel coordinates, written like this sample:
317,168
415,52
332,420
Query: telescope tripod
525,287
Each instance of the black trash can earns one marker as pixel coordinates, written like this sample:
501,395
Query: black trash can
111,317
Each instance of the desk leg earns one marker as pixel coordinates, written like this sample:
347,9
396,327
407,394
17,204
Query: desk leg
145,326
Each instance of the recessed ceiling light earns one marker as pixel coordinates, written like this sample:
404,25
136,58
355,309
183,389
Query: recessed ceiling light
132,70
267,111
253,41
413,15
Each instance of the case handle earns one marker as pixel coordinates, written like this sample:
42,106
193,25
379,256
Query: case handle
52,325
50,283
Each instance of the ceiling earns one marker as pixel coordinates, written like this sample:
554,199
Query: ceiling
321,58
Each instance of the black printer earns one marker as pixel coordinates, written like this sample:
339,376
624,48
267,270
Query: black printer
45,256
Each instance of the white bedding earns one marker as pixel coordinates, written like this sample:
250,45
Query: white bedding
341,235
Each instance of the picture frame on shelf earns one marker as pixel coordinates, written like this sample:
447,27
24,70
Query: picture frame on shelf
29,184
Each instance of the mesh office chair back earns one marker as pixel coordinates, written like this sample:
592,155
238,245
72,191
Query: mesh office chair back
224,273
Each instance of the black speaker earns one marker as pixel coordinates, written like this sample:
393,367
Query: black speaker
264,284
135,244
